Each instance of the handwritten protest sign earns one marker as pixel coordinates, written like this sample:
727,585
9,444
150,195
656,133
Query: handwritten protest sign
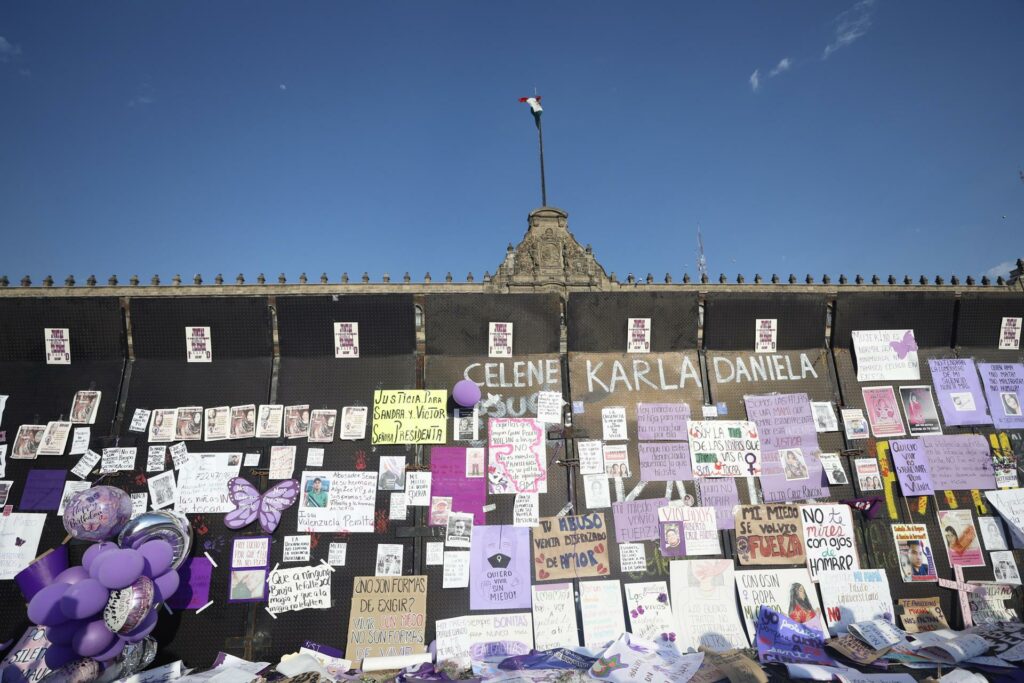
959,391
637,520
704,604
855,596
484,635
554,616
911,467
884,355
788,591
388,617
959,462
408,416
517,453
722,495
1004,388
662,421
665,461
828,538
724,448
920,615
203,482
351,497
769,534
298,588
782,639
570,547
499,568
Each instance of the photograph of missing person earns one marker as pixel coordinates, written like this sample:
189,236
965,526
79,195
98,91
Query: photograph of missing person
247,585
794,466
315,491
243,422
189,423
919,406
917,561
963,547
296,422
392,473
161,426
440,506
1011,404
84,407
27,442
460,530
321,426
217,423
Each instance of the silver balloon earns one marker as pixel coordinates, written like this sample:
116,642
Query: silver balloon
167,525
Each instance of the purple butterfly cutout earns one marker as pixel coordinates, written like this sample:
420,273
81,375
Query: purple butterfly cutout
249,504
905,345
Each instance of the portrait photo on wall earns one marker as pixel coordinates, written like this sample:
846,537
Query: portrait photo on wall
922,413
315,491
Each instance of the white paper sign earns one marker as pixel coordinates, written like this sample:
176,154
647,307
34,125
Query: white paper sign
298,588
828,538
526,511
596,490
885,355
549,407
601,608
554,616
86,464
417,488
435,553
140,502
198,345
156,458
456,569
613,423
638,339
351,497
854,596
282,462
251,460
179,454
766,335
704,603
203,483
499,340
632,557
1009,334
218,423
19,541
397,510
80,441
296,548
346,340
315,457
591,454
337,554
353,423
117,460
139,420
650,614
58,345
251,552
512,634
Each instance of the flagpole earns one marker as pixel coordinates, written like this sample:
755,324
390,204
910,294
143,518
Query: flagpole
543,184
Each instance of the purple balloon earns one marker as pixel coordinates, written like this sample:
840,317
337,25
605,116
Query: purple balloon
94,552
158,555
112,651
44,608
119,568
143,629
466,393
166,585
61,634
84,599
58,655
72,575
92,639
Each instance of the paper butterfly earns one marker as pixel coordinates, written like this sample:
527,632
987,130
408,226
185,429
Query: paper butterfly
249,504
905,345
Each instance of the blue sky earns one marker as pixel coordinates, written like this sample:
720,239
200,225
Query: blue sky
198,137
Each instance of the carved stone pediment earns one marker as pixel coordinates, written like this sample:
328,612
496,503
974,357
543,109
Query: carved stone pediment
549,256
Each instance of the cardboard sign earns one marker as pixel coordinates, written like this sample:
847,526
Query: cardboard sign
198,345
920,615
570,547
885,355
829,538
388,617
724,448
409,416
769,534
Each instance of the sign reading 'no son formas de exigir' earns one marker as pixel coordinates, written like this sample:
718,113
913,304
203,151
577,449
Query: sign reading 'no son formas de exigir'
408,416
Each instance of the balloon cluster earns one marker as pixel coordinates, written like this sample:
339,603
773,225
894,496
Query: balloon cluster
99,613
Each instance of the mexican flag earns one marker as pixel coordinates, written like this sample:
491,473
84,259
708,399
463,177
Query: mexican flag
535,107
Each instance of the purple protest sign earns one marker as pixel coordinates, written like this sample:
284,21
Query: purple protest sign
1004,388
662,421
789,475
499,568
781,639
958,462
783,421
959,391
665,461
448,470
911,464
722,495
637,520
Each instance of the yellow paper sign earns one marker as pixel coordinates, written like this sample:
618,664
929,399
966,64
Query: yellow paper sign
409,416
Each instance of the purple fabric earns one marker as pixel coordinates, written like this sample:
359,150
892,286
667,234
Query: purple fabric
468,494
958,376
999,379
637,520
911,467
665,461
194,590
722,495
959,462
662,421
43,489
42,572
499,568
